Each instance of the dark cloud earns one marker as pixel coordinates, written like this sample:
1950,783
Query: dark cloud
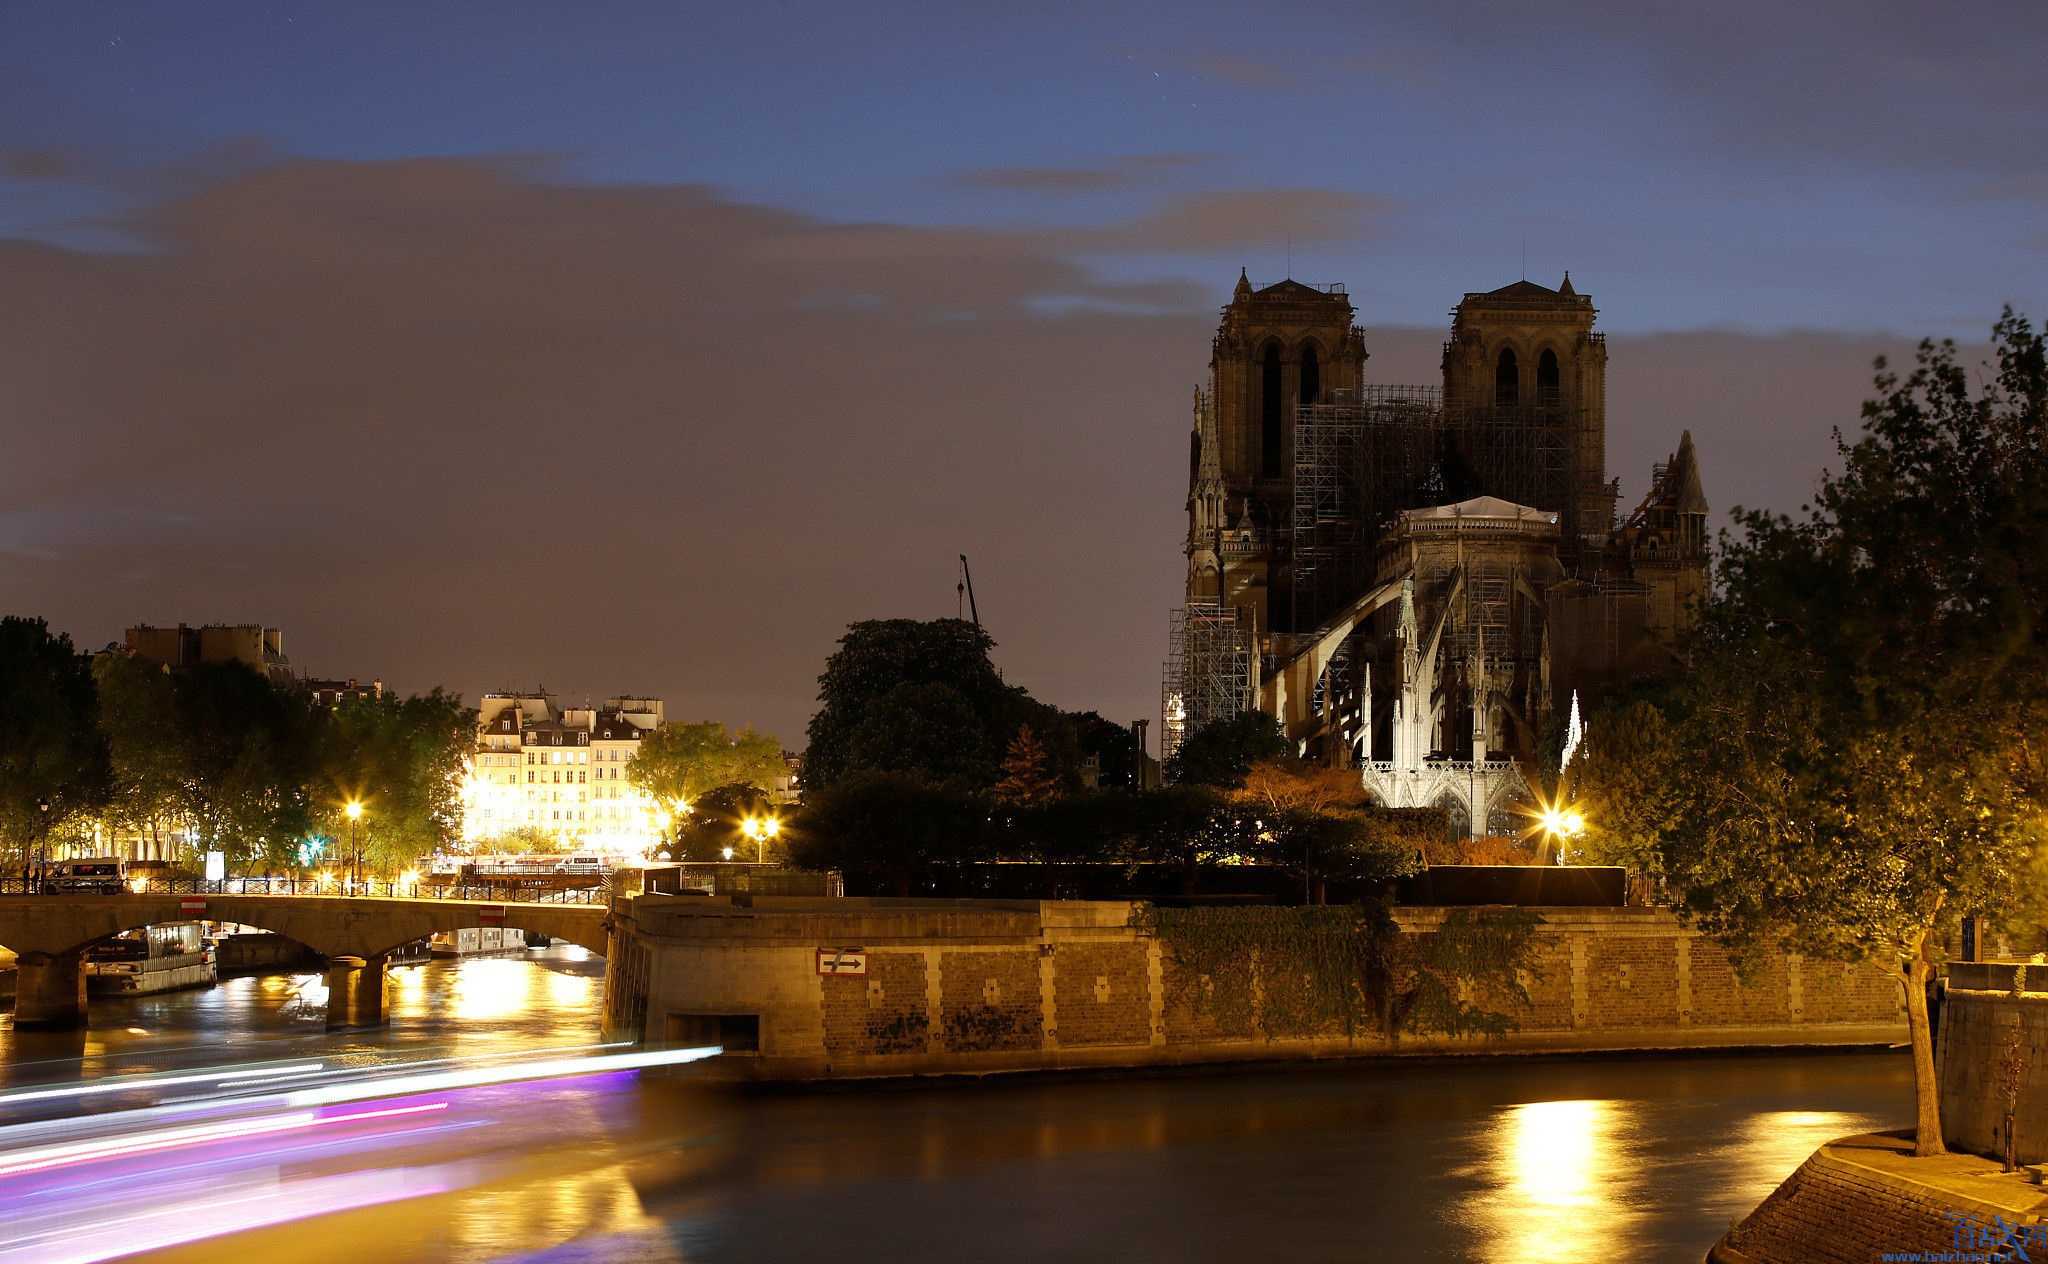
37,164
446,423
1133,171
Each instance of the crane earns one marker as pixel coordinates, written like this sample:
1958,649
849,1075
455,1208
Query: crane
966,585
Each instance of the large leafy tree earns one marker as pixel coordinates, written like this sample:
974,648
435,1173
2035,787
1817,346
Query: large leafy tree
1222,753
889,831
138,714
716,821
53,760
1861,723
251,760
685,761
919,697
402,759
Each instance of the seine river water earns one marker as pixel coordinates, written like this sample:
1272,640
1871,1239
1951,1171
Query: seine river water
1575,1160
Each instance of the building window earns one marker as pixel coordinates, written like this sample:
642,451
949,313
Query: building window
1547,390
529,778
1506,379
582,776
1272,413
1311,375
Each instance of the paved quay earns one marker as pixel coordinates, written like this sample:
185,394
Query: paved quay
1866,1198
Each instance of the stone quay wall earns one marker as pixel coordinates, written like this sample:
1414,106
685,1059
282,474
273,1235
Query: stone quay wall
1988,1003
946,987
1864,1198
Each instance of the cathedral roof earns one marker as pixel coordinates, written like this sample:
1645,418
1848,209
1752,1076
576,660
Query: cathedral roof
1523,289
1482,507
1296,290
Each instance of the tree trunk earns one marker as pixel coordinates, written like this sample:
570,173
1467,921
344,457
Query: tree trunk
1926,1091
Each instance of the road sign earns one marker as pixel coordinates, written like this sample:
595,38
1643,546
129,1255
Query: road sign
192,904
842,961
491,915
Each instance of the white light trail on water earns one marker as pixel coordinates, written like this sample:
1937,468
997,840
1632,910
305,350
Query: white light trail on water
390,1086
130,1083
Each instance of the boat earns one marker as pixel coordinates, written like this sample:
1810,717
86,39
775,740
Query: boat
162,958
477,941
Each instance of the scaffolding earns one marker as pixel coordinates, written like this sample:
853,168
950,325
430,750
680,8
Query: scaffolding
1208,672
1369,454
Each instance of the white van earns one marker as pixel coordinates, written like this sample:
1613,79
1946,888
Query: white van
92,873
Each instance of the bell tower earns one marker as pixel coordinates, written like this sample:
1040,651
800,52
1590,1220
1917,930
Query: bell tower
1277,348
1525,378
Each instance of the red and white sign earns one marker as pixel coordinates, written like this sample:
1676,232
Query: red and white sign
192,904
491,915
842,961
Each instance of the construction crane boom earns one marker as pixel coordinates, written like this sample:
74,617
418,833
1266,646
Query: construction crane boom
967,581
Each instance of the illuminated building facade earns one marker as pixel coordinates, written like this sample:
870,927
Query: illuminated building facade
562,772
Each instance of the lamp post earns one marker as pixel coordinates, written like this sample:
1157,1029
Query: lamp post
1559,824
42,841
761,829
354,812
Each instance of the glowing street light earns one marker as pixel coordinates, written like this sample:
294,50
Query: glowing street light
353,810
761,829
1559,824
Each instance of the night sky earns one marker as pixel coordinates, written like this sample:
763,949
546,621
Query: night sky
643,347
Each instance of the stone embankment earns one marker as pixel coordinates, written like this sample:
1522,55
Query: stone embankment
1865,1199
814,989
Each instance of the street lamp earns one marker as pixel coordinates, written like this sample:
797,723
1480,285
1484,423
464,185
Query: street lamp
760,829
1561,823
354,812
42,841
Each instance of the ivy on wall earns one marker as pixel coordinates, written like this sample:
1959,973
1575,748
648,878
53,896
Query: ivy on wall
1322,970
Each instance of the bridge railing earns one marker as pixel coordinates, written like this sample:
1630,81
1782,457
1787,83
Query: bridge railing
495,893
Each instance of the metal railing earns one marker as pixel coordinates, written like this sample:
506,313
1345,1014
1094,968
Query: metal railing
497,893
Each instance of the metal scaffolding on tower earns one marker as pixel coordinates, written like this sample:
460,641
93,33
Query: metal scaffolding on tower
1208,673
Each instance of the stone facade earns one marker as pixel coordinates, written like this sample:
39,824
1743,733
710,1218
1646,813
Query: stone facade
972,986
1414,580
1976,1023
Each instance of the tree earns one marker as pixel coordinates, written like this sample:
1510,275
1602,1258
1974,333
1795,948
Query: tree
1320,823
888,830
403,761
1625,780
1220,754
53,761
250,760
684,761
138,715
1028,779
877,688
1118,761
714,823
926,729
1860,724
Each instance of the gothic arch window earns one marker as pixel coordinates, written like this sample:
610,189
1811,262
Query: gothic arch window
1272,411
1311,375
1507,378
1547,388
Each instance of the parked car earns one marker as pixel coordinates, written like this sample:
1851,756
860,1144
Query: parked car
95,873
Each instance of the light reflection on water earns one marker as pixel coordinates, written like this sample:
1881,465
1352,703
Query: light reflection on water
1562,1169
1538,1160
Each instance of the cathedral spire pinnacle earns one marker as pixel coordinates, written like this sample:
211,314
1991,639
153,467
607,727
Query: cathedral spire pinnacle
1244,286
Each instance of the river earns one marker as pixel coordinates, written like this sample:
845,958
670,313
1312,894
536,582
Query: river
1570,1160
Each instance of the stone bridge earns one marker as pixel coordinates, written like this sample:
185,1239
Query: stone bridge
50,934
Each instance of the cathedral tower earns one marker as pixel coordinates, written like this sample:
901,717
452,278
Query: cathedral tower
1525,372
1276,348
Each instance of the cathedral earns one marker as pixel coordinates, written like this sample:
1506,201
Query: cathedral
1419,581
